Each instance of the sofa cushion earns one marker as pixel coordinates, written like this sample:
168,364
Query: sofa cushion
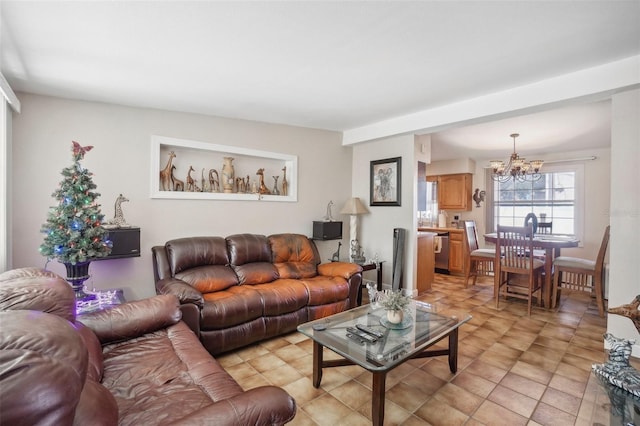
323,290
38,290
294,255
256,273
282,296
133,319
233,306
94,349
250,257
44,365
97,406
248,248
163,376
186,253
209,278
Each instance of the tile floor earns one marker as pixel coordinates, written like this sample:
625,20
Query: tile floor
512,369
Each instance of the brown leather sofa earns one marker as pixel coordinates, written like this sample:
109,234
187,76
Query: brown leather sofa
246,287
133,364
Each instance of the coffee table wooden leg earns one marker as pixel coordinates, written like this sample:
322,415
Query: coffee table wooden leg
377,403
317,364
453,351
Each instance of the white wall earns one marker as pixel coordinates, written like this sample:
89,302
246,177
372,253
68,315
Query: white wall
624,274
376,228
120,162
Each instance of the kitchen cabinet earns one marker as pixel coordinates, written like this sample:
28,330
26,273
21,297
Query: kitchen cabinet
456,252
457,248
426,261
454,192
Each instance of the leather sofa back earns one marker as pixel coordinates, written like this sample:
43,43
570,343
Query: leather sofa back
294,256
211,264
44,365
250,256
51,365
37,290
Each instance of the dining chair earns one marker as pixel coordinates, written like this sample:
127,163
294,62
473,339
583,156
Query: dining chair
581,274
515,245
545,227
479,261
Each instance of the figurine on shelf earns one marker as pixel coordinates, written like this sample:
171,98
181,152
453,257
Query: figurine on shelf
356,252
166,174
263,188
191,187
228,175
285,184
178,185
203,181
118,220
275,190
328,217
214,180
335,257
247,187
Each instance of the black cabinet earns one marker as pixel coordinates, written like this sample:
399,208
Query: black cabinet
327,230
126,243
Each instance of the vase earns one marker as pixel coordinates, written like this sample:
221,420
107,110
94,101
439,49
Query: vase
228,175
395,317
77,274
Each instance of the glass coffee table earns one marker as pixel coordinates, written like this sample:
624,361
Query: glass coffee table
423,326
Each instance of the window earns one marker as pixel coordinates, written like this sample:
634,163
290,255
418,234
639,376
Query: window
556,197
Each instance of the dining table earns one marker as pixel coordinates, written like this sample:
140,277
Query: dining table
551,244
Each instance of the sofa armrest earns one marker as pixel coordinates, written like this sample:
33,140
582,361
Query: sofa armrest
191,317
133,319
339,269
352,272
183,291
265,405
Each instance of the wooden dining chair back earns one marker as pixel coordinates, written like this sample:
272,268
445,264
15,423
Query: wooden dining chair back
479,261
582,274
515,245
545,227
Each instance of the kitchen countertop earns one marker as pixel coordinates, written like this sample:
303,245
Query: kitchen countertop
436,229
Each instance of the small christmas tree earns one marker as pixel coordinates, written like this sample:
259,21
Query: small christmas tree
74,232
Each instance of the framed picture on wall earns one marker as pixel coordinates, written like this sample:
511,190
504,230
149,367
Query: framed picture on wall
385,182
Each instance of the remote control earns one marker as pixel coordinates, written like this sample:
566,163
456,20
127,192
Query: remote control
369,330
364,336
356,338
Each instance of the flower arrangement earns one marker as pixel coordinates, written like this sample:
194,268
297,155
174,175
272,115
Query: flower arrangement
394,301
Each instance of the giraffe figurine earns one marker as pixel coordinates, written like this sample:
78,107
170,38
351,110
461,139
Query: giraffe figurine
191,187
118,220
178,185
166,174
263,188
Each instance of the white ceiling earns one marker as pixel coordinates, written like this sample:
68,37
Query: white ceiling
330,65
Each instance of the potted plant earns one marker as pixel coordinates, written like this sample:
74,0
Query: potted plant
395,303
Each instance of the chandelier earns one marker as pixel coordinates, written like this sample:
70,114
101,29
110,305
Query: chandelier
517,168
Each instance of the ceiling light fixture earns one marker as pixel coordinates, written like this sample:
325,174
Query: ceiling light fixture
517,168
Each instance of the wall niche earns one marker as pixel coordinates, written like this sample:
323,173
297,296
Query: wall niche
196,170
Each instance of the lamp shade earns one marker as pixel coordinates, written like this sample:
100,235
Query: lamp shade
354,206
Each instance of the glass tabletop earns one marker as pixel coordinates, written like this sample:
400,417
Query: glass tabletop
423,325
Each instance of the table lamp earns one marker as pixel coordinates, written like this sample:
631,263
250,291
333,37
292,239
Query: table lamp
354,207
